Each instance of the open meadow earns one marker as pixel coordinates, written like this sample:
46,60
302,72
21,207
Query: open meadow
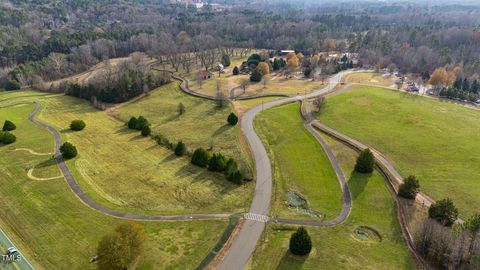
430,139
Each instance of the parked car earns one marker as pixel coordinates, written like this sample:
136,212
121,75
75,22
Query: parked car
12,250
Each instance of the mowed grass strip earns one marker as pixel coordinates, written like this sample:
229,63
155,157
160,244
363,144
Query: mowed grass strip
373,78
123,170
300,163
436,141
338,247
55,230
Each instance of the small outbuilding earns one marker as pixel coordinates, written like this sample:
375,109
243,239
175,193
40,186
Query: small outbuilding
203,74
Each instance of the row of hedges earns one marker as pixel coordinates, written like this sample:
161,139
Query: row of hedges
218,163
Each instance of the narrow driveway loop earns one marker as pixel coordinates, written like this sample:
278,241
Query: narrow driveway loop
85,198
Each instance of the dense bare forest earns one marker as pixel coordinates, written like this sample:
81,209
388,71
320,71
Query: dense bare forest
51,39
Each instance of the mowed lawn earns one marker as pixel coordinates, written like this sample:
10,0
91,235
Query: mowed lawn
202,124
373,78
300,163
125,171
338,247
55,230
436,141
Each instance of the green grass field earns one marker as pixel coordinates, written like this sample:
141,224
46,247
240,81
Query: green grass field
425,137
338,247
125,171
55,229
202,124
300,163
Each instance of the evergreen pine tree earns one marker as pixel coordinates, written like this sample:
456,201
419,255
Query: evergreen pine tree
256,76
236,71
200,157
8,126
232,119
146,131
365,162
180,149
300,242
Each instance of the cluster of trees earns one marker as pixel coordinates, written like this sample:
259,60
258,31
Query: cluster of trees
51,39
200,157
218,163
117,85
141,124
462,89
446,247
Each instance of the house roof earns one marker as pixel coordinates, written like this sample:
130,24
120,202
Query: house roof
204,73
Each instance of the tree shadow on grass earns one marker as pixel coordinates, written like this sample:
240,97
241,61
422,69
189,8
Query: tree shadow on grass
126,130
204,175
290,261
222,129
66,130
357,183
46,163
137,138
168,158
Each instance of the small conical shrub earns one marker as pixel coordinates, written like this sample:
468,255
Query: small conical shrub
180,149
77,125
8,126
146,131
235,177
132,123
236,71
409,188
200,157
365,162
300,242
7,137
232,119
141,122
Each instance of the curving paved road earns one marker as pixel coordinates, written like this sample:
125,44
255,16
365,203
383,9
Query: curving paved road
246,241
85,198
